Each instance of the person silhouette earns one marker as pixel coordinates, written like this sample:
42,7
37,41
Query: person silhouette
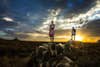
52,31
73,33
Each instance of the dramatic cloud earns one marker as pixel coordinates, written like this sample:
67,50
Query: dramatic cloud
8,19
31,18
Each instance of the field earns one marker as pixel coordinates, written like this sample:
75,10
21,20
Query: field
17,53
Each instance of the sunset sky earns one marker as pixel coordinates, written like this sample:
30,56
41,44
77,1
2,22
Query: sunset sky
29,20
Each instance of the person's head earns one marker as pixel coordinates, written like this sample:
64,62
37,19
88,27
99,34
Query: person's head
52,22
73,28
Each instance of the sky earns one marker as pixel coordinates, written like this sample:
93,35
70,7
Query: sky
29,20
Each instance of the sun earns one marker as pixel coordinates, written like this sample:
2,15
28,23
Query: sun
78,38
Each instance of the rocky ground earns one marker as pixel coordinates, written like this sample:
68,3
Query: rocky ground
45,55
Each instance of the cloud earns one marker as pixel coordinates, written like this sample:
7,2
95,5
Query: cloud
76,20
6,35
32,18
8,19
93,28
7,24
2,33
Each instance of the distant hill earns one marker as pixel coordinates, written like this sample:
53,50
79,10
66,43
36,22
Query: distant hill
19,42
98,41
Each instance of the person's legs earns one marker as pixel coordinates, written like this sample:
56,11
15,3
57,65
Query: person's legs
52,39
72,37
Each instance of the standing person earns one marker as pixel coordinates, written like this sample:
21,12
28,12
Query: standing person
51,35
73,33
52,31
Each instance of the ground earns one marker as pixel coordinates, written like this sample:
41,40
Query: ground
20,54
